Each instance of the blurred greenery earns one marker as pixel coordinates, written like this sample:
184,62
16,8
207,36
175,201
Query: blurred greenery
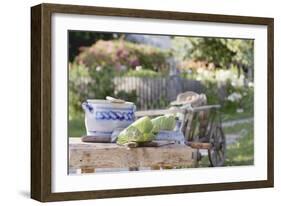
213,50
216,52
76,127
79,39
242,151
143,73
161,102
231,116
85,83
123,55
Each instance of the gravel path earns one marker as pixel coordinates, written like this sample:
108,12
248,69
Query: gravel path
238,121
232,138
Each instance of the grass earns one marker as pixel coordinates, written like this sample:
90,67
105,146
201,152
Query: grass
76,127
238,128
236,115
241,152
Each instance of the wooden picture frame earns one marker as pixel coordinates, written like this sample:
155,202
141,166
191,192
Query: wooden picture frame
41,97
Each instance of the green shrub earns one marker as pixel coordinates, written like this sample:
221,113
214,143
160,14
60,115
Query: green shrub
127,96
122,55
77,89
85,83
143,73
90,83
227,88
78,39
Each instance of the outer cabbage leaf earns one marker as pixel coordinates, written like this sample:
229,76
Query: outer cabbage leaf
166,122
144,125
130,134
139,131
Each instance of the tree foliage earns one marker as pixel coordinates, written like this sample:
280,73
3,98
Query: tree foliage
78,39
214,50
222,52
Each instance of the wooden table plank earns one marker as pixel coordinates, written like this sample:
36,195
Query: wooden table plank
108,155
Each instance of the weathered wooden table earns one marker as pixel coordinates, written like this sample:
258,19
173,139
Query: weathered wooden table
90,156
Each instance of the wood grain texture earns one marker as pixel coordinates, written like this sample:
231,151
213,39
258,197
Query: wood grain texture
270,103
154,14
41,101
200,145
107,155
158,112
36,138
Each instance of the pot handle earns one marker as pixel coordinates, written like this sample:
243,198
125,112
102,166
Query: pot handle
114,100
87,107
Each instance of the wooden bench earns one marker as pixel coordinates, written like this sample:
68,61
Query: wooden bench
87,157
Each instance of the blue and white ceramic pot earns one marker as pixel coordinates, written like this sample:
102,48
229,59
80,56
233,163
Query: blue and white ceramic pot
103,116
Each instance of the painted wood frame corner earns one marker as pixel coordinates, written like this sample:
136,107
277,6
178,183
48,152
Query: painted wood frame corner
41,101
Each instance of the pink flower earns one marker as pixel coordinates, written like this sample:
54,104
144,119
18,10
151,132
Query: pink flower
134,62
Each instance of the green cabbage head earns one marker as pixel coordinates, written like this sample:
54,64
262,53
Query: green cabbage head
144,125
139,131
166,122
130,134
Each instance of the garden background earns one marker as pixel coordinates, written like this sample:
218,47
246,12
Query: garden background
151,70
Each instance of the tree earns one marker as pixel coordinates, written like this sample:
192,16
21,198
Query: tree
78,39
213,50
225,53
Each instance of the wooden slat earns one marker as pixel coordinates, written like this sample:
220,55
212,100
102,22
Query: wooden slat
158,112
200,145
206,107
173,111
107,155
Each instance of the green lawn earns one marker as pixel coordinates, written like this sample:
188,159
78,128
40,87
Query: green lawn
236,115
76,127
241,152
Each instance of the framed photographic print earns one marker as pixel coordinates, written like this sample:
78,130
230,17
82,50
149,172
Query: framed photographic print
130,102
